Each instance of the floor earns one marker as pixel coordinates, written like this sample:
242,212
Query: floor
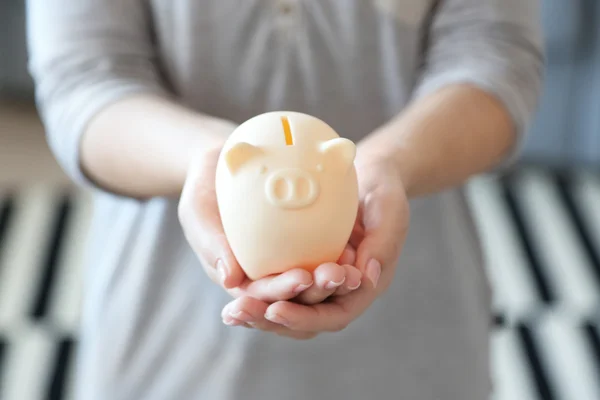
540,229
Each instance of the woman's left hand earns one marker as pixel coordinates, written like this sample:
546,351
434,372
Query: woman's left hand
378,238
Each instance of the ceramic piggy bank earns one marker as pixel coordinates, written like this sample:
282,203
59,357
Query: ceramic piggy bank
287,193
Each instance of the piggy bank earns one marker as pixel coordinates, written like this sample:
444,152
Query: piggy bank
287,193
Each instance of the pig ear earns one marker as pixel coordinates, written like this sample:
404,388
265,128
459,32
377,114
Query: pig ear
239,154
339,153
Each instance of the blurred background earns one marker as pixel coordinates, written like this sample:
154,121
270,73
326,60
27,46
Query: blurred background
540,223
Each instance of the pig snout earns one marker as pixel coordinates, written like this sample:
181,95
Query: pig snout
291,188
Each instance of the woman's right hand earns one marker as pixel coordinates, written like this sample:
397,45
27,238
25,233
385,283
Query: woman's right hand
201,222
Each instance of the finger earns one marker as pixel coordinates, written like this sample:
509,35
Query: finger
203,229
251,312
353,281
385,219
273,288
284,332
297,334
236,322
348,256
355,240
322,317
236,318
328,277
216,257
358,231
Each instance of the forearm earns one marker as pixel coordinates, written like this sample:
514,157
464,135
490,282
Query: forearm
104,101
442,139
142,146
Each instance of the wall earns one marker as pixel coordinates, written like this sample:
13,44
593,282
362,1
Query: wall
14,78
566,129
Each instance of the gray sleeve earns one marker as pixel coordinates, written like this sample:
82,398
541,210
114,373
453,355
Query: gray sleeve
495,45
84,55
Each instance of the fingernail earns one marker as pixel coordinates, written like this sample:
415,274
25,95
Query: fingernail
229,321
332,285
221,270
242,316
302,287
276,318
373,271
354,287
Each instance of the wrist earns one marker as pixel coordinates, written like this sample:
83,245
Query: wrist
384,152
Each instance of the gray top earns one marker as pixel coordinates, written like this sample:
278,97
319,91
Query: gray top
151,320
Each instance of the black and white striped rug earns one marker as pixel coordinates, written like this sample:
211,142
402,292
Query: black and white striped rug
41,245
541,234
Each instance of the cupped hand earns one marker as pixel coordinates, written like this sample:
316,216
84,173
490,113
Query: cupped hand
378,238
201,223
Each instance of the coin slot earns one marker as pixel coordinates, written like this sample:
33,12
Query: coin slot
287,131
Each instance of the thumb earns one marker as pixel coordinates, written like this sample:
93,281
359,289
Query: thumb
206,237
385,222
229,272
201,222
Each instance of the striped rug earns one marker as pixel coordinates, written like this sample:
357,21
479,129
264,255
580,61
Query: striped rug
541,234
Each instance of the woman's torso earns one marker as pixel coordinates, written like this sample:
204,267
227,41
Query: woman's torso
352,63
152,327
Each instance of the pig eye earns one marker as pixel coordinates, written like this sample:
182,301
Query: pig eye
320,167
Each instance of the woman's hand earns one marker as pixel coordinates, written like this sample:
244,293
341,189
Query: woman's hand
378,237
202,227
